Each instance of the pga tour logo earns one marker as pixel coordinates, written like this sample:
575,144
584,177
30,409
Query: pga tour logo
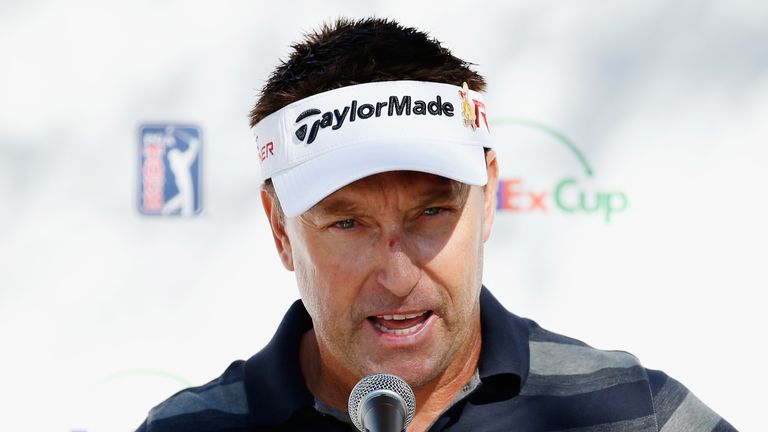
169,170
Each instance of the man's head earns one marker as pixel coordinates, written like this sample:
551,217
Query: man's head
354,52
385,196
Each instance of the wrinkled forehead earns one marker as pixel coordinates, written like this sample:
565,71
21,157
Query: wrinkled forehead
417,187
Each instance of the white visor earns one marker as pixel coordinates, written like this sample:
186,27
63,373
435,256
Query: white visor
317,145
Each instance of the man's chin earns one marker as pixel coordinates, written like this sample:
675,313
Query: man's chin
416,374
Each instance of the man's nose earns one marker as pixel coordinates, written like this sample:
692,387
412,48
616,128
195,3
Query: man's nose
398,273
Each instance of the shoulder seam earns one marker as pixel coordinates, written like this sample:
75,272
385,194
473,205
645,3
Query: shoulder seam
653,400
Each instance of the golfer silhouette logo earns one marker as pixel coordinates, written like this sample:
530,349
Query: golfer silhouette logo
170,170
180,162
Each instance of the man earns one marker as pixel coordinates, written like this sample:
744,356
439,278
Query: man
380,189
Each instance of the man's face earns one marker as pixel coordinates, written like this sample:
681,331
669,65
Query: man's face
390,268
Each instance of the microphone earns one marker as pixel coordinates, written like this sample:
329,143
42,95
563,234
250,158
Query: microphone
381,403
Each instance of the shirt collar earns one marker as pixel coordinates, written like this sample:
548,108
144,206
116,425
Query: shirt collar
505,339
504,359
275,384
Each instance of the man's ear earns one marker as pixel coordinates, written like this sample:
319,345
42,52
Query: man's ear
277,223
489,192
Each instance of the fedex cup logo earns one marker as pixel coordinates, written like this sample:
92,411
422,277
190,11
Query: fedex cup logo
571,193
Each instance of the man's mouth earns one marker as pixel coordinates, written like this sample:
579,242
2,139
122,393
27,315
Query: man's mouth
400,324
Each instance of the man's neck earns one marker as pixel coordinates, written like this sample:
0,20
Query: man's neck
433,398
330,386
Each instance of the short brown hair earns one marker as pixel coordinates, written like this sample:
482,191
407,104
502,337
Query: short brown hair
349,52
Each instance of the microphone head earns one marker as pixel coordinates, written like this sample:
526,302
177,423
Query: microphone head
377,384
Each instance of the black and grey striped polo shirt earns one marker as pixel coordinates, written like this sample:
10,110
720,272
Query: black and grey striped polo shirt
528,379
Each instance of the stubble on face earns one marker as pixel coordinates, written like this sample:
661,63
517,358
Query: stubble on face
340,273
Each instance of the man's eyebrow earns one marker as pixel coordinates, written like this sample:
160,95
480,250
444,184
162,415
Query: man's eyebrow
454,193
335,206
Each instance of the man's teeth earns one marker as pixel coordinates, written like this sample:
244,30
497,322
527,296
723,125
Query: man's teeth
404,331
401,317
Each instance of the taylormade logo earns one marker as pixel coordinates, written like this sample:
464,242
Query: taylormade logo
394,106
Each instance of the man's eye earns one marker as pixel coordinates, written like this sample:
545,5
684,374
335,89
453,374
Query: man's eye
432,211
345,224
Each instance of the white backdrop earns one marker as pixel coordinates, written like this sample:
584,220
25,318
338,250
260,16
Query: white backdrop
104,313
